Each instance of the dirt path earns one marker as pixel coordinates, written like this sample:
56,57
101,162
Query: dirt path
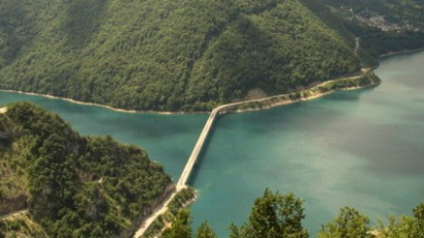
13,214
357,42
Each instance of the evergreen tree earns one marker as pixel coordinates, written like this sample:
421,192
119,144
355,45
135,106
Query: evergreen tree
181,227
419,216
205,231
273,215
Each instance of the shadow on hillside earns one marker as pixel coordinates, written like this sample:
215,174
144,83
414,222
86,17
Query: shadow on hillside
12,18
241,59
82,19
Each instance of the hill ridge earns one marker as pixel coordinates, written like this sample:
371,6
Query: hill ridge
162,55
180,55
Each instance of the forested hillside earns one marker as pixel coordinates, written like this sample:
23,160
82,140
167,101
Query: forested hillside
384,26
73,186
169,55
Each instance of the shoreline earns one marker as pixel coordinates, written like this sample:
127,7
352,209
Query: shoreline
402,52
380,57
317,91
302,99
92,103
186,113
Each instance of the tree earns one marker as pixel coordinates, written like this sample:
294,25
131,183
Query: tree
405,226
205,231
273,215
398,227
349,223
181,227
245,231
419,216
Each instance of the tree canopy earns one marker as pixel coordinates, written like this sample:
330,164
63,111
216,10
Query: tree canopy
76,186
349,223
275,215
167,55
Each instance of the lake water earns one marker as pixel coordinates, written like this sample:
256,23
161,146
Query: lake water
362,148
168,139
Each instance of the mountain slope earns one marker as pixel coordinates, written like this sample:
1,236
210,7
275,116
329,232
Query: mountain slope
73,186
384,26
167,55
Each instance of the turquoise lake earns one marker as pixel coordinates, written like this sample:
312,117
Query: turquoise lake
362,148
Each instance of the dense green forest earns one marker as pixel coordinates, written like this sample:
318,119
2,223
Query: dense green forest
275,215
73,186
168,55
190,55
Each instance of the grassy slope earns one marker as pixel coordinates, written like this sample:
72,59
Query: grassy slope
166,55
76,186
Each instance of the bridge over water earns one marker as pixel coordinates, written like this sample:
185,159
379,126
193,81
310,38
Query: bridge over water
277,100
185,175
188,169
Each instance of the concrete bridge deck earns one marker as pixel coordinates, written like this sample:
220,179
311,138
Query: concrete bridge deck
185,175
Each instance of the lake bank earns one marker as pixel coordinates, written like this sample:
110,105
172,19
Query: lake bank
367,79
402,52
88,103
259,104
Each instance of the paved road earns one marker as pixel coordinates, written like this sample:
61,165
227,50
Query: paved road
157,212
196,150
